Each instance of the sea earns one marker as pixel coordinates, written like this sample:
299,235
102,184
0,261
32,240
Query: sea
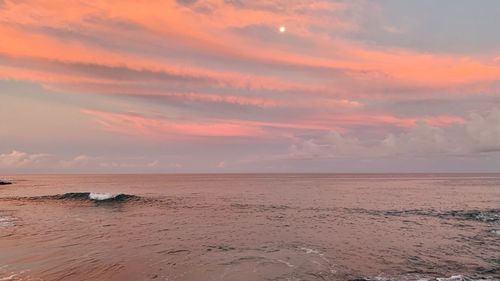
251,227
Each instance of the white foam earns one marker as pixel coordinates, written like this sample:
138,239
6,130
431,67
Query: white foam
452,278
101,196
6,221
462,278
285,262
10,277
310,251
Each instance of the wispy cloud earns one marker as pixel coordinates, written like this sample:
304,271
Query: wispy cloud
200,70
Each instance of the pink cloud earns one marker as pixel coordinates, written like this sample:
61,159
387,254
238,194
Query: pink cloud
276,85
161,128
362,65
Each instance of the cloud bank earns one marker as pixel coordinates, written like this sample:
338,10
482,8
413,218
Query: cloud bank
345,80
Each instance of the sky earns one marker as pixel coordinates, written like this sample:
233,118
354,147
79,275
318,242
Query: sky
225,86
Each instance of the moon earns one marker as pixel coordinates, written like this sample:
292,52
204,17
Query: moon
282,29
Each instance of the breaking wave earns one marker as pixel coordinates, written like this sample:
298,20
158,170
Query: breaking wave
452,278
4,182
83,196
486,215
91,196
492,215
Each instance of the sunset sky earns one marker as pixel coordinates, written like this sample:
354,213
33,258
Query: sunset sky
219,86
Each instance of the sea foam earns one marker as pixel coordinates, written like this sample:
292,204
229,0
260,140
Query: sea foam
101,196
452,278
6,221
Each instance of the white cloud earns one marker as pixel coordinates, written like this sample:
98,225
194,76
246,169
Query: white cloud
79,161
421,139
153,163
478,135
332,144
18,159
175,165
23,161
485,131
128,165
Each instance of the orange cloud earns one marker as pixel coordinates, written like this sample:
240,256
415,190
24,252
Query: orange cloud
166,18
194,53
162,128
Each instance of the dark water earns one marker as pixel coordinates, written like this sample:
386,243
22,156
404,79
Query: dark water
250,227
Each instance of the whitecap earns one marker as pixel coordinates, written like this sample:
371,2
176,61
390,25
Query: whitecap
6,221
310,251
286,263
10,277
463,278
101,196
409,278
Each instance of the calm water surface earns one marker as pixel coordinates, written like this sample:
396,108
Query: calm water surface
251,227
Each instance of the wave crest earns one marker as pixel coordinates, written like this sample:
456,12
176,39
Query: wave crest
94,196
4,182
81,196
452,278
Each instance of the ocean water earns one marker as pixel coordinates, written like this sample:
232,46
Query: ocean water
250,227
